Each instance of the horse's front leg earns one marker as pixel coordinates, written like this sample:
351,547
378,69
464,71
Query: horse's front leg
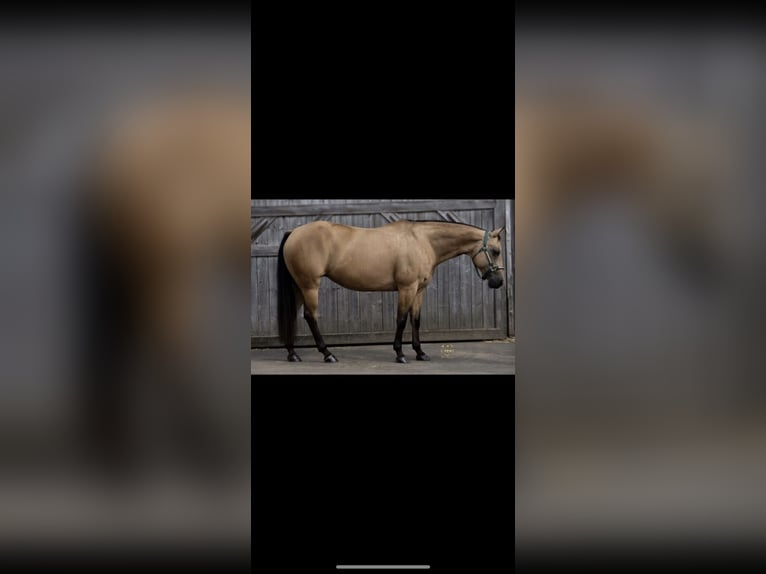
310,307
415,321
406,298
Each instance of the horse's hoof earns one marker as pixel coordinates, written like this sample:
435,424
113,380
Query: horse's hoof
401,359
294,358
330,359
423,357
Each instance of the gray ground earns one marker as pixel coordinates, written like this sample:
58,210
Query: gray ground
463,358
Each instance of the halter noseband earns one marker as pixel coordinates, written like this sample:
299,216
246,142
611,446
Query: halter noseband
492,267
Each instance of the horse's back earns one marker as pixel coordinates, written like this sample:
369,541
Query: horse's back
356,257
327,234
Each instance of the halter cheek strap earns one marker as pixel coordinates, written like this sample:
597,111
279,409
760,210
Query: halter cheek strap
491,266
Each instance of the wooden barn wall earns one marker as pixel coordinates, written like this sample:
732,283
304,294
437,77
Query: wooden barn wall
456,306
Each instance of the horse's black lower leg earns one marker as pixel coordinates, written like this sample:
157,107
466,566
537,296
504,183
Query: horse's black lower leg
421,356
401,321
292,356
321,346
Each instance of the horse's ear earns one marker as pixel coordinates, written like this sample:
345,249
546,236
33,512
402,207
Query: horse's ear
497,232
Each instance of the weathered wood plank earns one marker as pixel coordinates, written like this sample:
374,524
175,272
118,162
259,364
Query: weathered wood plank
322,309
254,326
488,322
443,298
414,206
377,312
454,294
500,297
258,226
509,263
476,285
272,294
335,318
464,267
343,310
264,250
387,312
356,318
430,306
261,297
502,301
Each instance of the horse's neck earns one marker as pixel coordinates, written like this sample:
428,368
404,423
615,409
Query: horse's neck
450,240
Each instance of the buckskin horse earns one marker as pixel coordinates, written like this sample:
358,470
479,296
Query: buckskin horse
400,256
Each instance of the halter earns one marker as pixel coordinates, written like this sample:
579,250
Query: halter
492,267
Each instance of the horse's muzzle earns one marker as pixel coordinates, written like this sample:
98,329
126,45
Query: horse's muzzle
495,281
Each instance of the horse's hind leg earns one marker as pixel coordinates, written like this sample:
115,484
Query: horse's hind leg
292,356
310,306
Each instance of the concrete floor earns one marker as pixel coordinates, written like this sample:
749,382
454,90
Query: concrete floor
462,358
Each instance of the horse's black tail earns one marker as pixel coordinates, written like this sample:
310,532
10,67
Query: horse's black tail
286,300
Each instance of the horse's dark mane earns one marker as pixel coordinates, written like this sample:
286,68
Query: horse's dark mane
441,221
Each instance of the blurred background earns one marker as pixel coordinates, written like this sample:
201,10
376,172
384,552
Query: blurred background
124,397
641,269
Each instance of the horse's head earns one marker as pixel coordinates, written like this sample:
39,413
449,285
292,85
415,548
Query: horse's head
488,260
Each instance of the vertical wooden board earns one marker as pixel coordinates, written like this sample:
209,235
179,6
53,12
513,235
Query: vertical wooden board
327,307
254,315
253,305
352,317
476,284
262,297
256,287
508,252
271,262
339,321
357,316
325,315
512,261
488,311
498,295
431,303
387,312
335,319
452,292
344,325
273,291
501,298
364,312
377,324
324,309
429,310
443,297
